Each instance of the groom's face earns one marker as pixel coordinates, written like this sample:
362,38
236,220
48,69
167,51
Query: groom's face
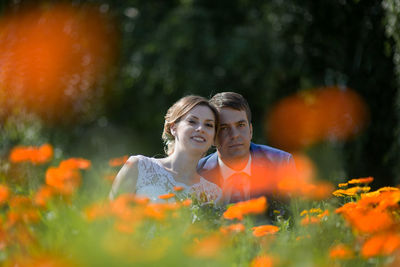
234,135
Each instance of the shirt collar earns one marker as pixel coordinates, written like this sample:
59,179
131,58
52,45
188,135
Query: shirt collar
227,172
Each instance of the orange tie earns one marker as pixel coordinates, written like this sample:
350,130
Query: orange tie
236,188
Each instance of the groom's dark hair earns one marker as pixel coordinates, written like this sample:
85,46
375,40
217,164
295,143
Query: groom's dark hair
231,100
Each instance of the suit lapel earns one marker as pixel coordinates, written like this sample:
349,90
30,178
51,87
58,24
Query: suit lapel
211,171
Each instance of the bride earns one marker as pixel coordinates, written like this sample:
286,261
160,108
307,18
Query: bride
189,131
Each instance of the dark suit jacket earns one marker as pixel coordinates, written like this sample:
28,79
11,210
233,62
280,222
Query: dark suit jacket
266,165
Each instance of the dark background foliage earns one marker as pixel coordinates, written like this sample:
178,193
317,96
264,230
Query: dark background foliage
265,50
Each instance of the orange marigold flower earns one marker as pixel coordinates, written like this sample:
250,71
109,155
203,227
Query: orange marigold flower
167,196
4,194
21,210
206,248
44,261
388,189
124,206
263,230
64,180
262,261
366,219
178,188
380,200
141,200
252,206
366,180
381,244
351,191
36,155
310,220
75,163
43,195
155,211
233,228
341,251
187,202
115,162
317,191
342,184
97,210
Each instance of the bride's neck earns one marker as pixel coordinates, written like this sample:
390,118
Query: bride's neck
182,164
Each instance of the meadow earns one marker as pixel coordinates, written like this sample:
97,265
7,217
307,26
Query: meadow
56,212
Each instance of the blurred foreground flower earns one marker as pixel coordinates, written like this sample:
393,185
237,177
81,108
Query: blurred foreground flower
52,56
262,261
263,230
341,251
116,162
252,206
65,178
329,113
36,155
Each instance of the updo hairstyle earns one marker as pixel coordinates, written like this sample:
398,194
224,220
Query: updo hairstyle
177,111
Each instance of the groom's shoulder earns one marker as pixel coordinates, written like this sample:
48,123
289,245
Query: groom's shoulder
206,160
269,152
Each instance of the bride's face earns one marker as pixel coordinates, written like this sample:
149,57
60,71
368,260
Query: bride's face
196,130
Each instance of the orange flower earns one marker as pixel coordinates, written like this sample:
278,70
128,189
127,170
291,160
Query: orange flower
315,115
21,211
155,211
124,207
366,219
64,180
115,162
75,163
310,220
43,195
313,219
252,206
206,248
388,189
342,184
263,230
97,210
262,261
167,196
366,180
43,261
380,200
341,252
178,188
36,155
381,244
351,191
233,228
4,194
187,202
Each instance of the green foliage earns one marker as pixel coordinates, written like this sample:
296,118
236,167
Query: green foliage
263,50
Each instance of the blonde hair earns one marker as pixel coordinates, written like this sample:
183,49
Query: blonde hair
175,113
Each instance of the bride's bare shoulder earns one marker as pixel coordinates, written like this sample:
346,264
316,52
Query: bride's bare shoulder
125,181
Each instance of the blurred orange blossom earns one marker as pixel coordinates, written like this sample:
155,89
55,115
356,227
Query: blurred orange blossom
252,206
36,155
341,251
116,162
263,230
52,56
311,116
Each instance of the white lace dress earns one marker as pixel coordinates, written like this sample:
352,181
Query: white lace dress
154,180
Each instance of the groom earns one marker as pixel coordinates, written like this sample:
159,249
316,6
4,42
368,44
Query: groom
241,168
